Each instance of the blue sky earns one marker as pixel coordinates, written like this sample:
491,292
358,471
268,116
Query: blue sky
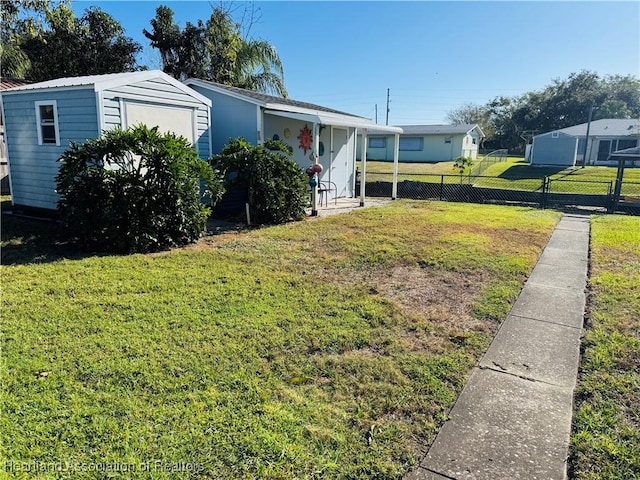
433,56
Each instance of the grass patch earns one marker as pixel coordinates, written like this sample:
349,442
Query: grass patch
322,349
606,427
514,174
519,175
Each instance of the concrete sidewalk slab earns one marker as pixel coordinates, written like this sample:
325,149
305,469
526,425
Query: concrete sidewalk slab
570,241
536,350
557,256
518,431
573,225
423,474
513,418
550,304
571,276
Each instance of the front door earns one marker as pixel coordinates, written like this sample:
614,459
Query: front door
339,166
604,148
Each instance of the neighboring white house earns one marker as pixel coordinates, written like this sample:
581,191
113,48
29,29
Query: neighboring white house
308,129
427,143
565,147
42,118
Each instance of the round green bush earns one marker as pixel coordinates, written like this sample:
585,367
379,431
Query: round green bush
135,190
277,187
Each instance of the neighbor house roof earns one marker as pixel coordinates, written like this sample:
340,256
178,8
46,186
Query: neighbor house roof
614,127
6,83
107,81
293,108
461,128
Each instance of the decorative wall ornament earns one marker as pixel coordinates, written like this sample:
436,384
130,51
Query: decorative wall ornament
305,138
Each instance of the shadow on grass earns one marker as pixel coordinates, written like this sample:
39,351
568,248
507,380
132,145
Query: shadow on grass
29,240
527,172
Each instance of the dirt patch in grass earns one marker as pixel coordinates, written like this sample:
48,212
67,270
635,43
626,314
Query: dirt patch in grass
444,298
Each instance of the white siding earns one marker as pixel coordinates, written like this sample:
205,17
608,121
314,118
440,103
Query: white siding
160,93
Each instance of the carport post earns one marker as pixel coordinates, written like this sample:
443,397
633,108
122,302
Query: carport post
363,175
314,160
396,152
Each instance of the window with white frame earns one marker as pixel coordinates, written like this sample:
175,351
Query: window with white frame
377,142
410,143
47,122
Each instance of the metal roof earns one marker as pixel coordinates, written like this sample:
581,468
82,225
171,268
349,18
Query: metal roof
264,99
606,127
289,108
106,81
455,129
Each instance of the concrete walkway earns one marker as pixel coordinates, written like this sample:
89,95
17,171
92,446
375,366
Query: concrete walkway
513,418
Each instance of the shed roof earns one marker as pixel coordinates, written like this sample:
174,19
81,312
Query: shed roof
606,127
460,128
293,108
107,81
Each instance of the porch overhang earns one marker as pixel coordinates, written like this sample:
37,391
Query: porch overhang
364,126
322,118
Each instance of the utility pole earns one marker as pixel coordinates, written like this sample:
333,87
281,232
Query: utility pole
376,113
387,122
586,140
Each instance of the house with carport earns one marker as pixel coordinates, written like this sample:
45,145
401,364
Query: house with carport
313,133
426,143
41,119
566,146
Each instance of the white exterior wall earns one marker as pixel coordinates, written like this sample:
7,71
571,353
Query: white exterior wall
161,97
337,167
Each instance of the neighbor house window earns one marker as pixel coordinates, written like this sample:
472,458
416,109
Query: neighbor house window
47,123
623,144
377,142
410,143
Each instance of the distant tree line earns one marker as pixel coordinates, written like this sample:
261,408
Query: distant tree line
42,40
508,122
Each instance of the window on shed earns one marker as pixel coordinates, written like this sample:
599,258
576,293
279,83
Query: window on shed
47,123
377,142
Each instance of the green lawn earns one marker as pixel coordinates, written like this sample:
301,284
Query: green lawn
331,348
514,174
606,427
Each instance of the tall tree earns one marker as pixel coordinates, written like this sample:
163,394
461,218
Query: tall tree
19,19
470,113
216,51
92,44
563,103
46,41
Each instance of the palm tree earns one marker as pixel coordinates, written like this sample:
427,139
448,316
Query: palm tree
216,51
258,67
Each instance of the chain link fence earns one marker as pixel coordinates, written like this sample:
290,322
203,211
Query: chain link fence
543,193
